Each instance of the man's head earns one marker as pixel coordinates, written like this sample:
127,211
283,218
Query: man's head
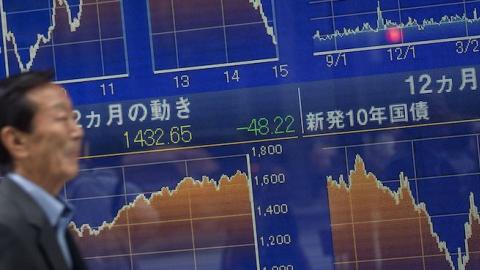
39,137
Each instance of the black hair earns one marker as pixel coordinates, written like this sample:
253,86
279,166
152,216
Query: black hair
15,109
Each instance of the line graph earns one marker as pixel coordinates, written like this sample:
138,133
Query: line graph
346,26
194,34
381,223
191,222
80,40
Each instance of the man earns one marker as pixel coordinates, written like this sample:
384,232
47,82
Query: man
39,147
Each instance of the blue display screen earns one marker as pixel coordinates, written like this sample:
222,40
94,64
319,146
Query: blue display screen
266,134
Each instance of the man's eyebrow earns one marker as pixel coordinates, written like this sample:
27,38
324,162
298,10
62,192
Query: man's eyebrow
61,106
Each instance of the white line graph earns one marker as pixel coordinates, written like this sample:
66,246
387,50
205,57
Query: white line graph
409,29
261,18
15,61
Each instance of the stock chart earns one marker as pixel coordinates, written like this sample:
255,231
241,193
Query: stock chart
266,134
197,34
43,35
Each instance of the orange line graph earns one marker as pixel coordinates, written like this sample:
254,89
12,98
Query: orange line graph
196,214
373,225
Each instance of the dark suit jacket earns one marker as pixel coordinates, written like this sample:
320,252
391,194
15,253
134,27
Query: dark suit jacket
27,240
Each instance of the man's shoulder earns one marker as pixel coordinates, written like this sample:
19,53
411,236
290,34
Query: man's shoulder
10,213
14,225
12,192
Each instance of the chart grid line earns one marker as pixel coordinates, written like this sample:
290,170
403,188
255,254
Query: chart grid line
128,220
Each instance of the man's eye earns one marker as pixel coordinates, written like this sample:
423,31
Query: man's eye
62,118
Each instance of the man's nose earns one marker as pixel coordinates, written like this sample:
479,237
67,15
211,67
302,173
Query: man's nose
76,130
79,132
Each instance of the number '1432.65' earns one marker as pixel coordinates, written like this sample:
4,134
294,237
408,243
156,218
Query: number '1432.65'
158,136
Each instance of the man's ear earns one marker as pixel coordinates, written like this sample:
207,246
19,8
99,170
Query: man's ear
15,142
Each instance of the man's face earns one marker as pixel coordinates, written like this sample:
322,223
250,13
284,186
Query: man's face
55,140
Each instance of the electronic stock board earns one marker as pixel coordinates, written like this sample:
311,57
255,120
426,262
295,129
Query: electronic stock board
266,134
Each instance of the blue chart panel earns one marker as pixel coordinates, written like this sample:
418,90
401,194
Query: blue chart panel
418,178
373,24
80,40
196,34
166,215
